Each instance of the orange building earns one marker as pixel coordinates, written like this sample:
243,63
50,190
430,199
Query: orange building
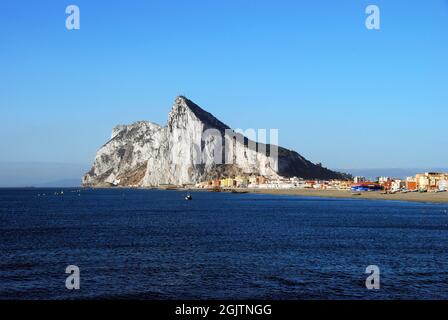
411,185
387,185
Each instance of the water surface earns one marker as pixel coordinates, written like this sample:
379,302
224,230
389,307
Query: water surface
147,244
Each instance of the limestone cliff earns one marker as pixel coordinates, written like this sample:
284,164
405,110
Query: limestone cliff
194,146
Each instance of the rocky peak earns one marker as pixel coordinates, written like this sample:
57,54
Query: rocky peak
137,128
116,131
185,110
146,154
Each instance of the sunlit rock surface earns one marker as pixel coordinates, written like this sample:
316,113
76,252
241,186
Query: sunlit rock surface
194,146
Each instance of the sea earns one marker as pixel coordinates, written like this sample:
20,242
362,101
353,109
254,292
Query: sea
155,245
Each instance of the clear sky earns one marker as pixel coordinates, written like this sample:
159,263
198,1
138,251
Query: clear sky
339,93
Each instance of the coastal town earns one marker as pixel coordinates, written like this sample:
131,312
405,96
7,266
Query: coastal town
422,182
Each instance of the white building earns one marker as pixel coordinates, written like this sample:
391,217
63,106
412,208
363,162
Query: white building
359,179
442,185
383,179
397,185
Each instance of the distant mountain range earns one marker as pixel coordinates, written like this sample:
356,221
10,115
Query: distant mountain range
41,174
63,183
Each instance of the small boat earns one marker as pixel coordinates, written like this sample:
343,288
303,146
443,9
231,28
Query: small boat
188,197
238,191
356,193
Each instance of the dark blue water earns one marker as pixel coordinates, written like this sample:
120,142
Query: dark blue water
143,244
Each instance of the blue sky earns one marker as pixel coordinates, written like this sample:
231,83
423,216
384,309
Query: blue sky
339,93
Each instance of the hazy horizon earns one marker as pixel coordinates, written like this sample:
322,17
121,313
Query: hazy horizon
48,174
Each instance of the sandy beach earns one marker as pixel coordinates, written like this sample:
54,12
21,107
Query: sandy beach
434,197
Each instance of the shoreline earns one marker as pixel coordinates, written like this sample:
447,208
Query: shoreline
430,197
